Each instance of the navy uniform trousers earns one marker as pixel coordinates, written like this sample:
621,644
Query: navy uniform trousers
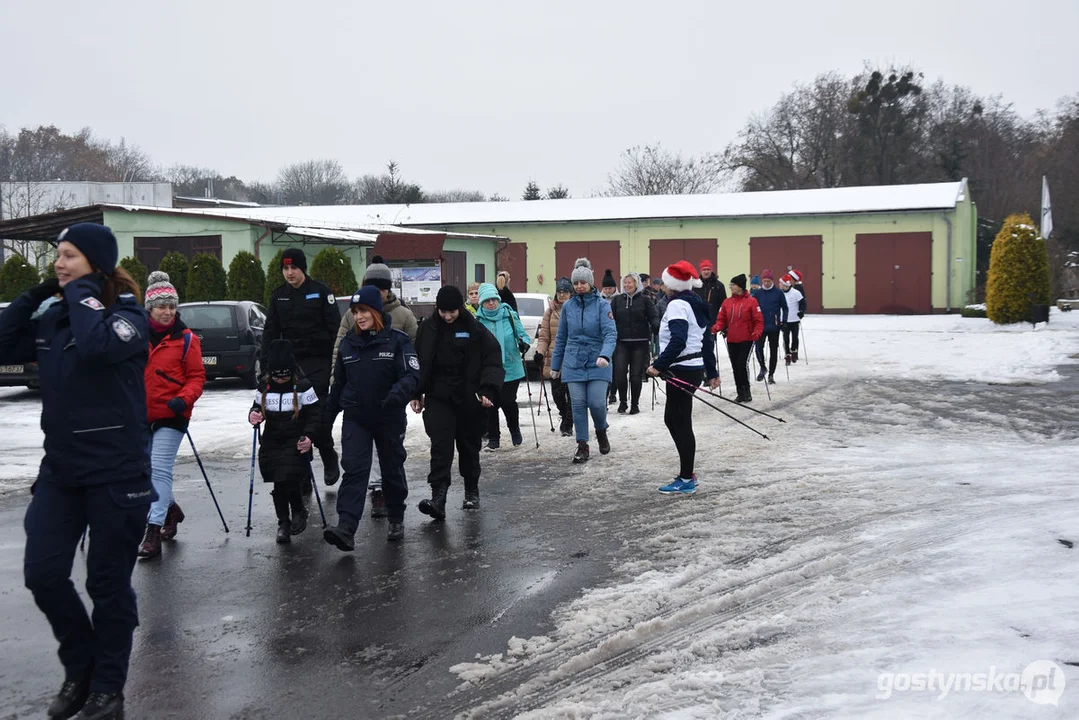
98,647
388,438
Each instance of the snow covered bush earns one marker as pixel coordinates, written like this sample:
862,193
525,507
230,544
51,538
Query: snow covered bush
16,277
175,264
274,278
1018,271
973,311
136,270
332,266
247,279
206,279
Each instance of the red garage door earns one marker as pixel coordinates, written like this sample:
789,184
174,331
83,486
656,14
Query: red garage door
662,253
514,259
780,254
893,272
604,255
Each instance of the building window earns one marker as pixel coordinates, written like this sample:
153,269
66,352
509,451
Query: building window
481,273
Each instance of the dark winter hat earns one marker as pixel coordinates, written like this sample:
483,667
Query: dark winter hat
645,277
159,291
295,258
739,280
368,295
94,241
563,285
767,274
281,358
449,298
378,274
608,279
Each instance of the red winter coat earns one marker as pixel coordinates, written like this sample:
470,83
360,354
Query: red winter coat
740,316
170,374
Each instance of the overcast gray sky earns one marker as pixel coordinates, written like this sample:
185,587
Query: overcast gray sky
485,94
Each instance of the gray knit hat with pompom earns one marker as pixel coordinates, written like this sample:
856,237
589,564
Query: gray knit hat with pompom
159,291
582,271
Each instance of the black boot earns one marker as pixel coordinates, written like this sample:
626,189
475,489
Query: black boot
760,375
581,456
284,532
771,379
151,543
472,495
70,699
339,538
331,471
280,495
299,512
396,531
747,394
102,706
622,407
566,427
604,443
634,398
436,506
378,503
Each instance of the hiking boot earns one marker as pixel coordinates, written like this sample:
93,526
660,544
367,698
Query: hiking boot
396,532
680,486
436,506
581,456
70,699
492,444
622,407
298,523
331,470
173,517
604,443
102,706
151,542
378,503
339,538
771,379
517,437
284,532
760,375
566,427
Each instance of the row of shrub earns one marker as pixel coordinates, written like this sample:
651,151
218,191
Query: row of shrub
204,277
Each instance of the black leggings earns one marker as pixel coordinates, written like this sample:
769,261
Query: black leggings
507,401
739,354
773,345
678,416
630,357
560,395
790,337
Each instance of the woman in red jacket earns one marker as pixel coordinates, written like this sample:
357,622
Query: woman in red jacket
174,380
741,322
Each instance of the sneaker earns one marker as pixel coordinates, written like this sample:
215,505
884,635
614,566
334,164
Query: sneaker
70,699
622,407
102,706
378,503
173,517
760,376
492,444
517,437
680,485
771,379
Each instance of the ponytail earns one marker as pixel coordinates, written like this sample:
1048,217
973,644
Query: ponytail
118,282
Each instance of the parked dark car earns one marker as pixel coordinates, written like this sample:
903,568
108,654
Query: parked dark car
18,375
231,334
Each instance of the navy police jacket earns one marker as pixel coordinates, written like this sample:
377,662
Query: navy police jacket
91,360
375,376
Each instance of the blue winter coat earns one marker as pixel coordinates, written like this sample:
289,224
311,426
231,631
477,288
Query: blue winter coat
773,307
375,376
586,332
91,361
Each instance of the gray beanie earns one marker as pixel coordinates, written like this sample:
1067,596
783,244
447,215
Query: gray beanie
378,274
582,271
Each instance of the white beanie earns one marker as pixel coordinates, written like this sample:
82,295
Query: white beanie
582,271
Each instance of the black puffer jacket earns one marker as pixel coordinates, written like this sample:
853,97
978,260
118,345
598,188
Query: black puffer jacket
635,315
279,460
458,360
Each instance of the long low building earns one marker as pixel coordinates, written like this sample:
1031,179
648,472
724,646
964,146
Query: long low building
882,249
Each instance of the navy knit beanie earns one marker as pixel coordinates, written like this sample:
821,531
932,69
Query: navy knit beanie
368,295
94,241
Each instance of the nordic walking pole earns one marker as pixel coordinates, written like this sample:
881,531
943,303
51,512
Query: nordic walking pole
528,385
753,360
82,545
544,394
678,381
787,355
318,495
719,410
802,336
207,478
251,483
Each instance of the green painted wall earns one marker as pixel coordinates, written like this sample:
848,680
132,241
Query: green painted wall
478,252
733,235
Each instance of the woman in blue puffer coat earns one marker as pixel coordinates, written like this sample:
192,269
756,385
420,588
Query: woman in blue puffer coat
505,325
582,357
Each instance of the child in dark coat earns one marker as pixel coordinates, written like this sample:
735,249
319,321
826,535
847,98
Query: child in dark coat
291,410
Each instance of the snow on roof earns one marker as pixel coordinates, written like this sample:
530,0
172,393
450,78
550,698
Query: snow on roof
360,238
884,198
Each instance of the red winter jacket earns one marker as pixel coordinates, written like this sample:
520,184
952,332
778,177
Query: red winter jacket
740,316
170,374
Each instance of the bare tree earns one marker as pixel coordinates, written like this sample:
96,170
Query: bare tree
314,182
653,170
454,196
128,163
23,199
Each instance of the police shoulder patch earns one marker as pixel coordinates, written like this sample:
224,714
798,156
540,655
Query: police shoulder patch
331,299
92,302
413,362
124,329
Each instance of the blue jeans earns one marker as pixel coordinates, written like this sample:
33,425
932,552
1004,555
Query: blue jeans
585,396
163,446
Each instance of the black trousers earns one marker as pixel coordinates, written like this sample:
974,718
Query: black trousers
630,357
449,425
790,337
98,646
739,355
507,402
678,417
772,336
357,439
317,373
560,393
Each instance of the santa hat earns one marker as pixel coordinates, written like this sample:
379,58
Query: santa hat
681,276
796,275
786,280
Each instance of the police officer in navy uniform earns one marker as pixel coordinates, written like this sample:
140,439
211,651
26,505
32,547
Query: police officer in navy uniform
304,312
376,375
91,349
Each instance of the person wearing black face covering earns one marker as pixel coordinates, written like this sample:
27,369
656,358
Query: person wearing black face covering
461,373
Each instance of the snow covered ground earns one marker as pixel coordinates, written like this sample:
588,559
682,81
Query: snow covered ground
903,528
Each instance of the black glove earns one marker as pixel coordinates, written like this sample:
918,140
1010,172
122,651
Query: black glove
178,406
723,333
801,315
44,291
537,360
523,346
394,400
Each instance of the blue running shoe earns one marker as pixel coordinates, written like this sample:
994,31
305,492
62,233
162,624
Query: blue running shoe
680,485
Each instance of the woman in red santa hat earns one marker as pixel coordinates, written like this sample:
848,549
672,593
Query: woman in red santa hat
687,354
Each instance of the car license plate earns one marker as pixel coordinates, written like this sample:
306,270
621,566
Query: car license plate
209,359
12,369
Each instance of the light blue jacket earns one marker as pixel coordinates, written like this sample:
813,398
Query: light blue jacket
586,332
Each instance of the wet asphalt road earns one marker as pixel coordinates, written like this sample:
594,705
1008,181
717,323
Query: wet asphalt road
237,627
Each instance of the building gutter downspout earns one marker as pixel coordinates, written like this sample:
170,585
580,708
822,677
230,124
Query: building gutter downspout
262,237
948,265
